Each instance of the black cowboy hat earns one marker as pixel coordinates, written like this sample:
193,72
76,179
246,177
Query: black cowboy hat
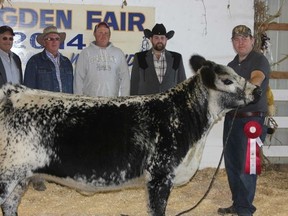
158,29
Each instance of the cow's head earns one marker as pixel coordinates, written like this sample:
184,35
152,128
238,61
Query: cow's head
226,88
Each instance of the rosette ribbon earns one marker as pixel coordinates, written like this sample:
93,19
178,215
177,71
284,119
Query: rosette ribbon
253,130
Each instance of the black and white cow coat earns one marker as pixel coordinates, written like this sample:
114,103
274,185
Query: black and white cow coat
96,144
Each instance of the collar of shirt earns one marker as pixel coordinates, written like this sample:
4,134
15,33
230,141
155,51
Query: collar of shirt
5,55
162,55
53,59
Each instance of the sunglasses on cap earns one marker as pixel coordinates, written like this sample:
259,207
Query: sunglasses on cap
52,39
8,38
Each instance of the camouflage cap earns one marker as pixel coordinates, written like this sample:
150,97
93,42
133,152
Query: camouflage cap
241,30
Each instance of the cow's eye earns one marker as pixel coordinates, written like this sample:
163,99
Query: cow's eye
227,82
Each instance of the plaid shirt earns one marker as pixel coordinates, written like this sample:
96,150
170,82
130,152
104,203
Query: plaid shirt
160,65
56,62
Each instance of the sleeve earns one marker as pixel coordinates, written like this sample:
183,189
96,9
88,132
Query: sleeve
79,76
263,65
30,74
19,65
124,77
135,76
181,71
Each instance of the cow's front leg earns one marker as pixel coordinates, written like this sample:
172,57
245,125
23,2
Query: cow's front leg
10,205
159,189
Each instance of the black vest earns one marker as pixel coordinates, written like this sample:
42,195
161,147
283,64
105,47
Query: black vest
143,64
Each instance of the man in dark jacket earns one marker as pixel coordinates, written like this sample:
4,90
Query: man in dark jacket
11,71
50,70
157,69
10,63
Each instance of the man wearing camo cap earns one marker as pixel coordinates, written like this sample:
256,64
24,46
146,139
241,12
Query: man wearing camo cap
254,67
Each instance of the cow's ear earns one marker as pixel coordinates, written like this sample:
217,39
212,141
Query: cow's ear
208,75
196,62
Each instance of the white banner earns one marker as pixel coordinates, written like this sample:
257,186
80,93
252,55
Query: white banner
78,21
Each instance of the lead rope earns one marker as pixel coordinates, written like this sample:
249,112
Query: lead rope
244,97
216,172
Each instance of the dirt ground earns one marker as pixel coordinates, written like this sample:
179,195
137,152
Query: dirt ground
271,198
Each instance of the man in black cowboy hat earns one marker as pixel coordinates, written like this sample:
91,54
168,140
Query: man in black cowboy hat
157,69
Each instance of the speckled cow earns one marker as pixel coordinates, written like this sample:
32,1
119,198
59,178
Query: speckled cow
98,144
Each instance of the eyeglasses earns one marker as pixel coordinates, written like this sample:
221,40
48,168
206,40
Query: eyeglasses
52,39
8,38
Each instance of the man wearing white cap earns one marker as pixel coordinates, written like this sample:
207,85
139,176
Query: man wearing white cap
101,68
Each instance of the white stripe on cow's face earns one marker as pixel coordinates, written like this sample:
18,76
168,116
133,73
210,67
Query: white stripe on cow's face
229,92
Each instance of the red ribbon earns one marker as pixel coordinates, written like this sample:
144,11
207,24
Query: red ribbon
253,130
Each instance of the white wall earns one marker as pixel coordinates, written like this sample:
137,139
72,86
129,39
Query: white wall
201,26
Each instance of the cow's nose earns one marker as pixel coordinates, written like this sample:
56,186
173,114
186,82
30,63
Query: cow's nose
257,92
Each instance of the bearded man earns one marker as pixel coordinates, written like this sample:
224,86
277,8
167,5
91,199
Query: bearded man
156,70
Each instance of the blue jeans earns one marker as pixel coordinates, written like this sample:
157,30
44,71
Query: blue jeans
242,185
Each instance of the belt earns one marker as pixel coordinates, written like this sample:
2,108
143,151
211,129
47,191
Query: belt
246,114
